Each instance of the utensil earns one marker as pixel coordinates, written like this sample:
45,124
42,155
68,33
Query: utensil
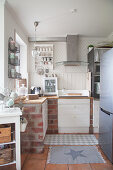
40,70
47,70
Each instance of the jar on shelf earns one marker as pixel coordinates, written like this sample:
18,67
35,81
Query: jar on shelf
12,45
22,91
13,73
17,61
12,58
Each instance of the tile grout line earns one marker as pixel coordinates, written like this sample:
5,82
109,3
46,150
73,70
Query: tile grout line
68,166
27,157
90,166
46,159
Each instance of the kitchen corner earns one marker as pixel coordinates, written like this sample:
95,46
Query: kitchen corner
43,115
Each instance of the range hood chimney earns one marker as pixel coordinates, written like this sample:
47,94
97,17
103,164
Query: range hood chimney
72,52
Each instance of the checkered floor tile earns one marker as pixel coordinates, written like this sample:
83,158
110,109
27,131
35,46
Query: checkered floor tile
70,139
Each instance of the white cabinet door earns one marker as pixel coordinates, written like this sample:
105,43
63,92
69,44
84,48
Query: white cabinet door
96,108
73,113
45,117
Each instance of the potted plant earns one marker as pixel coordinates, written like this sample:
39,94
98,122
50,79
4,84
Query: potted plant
90,47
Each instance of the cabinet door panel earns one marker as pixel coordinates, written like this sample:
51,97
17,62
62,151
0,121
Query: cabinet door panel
71,116
96,109
73,113
73,120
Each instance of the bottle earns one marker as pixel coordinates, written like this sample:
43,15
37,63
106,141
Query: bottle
22,90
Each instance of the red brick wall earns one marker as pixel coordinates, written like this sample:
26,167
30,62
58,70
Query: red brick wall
52,116
32,138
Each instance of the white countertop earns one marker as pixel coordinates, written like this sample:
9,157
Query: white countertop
10,112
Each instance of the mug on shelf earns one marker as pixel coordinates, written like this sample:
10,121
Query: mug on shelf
13,73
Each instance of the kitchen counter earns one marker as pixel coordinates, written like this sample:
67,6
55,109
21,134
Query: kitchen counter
74,97
41,100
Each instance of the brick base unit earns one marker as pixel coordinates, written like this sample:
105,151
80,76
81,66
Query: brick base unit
52,116
32,140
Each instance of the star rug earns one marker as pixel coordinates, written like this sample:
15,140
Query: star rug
74,155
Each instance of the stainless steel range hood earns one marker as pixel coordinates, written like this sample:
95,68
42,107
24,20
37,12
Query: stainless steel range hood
72,52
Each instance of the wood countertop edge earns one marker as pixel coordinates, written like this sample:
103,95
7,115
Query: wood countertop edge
75,97
41,100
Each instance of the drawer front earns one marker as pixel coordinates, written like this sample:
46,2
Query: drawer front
73,101
78,108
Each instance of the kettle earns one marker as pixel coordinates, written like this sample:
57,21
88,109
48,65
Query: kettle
36,90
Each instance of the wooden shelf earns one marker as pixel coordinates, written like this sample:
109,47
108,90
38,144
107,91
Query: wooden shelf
8,143
14,64
14,162
45,58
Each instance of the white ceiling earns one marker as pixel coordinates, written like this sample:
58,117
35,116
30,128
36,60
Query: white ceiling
93,17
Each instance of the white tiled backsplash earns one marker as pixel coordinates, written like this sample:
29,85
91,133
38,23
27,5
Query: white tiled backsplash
70,77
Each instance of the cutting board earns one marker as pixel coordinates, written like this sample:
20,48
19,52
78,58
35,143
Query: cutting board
74,94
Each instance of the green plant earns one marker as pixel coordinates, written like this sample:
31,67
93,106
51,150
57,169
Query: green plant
90,45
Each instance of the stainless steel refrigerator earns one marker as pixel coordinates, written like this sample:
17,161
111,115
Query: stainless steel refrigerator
106,104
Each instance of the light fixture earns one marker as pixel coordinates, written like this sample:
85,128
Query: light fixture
34,50
73,11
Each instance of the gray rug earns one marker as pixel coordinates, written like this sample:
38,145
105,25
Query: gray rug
70,139
74,155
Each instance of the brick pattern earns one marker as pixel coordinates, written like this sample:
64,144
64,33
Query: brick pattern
32,138
91,116
52,116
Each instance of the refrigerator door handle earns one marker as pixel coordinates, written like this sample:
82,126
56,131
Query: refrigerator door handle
105,111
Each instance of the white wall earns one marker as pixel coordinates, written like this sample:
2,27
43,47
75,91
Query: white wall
1,44
10,25
110,37
70,77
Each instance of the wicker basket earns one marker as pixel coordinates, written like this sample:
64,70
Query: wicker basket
5,156
5,133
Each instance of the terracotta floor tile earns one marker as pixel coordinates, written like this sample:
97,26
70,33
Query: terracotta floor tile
56,167
38,162
39,156
104,156
80,167
96,135
101,167
46,146
34,165
23,158
11,167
